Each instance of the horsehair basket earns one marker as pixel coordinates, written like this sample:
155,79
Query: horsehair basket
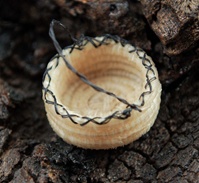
120,107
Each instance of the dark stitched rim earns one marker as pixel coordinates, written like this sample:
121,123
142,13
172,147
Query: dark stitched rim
79,45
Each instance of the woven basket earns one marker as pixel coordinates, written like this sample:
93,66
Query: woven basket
101,92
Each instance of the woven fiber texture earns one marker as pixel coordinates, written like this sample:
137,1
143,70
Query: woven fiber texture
108,46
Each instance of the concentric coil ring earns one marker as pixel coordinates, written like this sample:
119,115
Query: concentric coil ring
96,43
94,84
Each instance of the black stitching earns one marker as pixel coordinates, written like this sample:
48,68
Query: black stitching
79,44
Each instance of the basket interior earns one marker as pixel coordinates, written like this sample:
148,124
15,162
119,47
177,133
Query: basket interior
111,67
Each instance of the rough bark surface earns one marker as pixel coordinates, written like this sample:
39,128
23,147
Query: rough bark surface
176,23
31,152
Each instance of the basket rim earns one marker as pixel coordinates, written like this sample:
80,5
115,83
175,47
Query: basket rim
79,45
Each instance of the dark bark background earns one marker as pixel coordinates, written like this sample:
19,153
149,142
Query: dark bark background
31,152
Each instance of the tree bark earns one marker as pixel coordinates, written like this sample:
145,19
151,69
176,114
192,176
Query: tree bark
31,152
174,22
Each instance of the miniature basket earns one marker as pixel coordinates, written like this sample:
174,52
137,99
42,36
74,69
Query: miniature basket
101,92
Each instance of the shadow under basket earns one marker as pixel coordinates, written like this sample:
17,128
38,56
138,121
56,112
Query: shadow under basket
101,93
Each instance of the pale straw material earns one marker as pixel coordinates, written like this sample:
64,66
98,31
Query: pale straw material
112,67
